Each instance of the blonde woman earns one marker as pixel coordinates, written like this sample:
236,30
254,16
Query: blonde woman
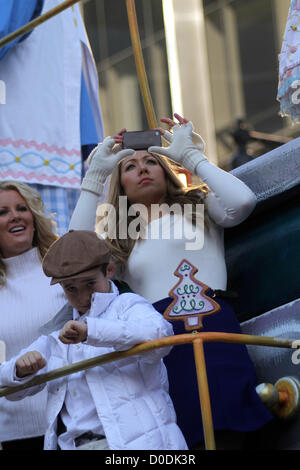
27,302
147,262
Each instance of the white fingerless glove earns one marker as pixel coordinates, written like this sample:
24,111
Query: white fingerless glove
197,139
102,161
186,147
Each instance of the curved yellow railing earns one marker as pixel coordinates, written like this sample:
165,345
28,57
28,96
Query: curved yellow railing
196,339
140,65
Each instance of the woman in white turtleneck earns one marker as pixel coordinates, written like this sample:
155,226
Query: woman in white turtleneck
27,302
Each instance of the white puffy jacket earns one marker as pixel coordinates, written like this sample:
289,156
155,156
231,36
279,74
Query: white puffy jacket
131,395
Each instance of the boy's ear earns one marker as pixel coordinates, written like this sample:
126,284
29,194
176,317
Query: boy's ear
110,270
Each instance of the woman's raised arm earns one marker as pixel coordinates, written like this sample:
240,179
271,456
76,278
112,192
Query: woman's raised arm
229,201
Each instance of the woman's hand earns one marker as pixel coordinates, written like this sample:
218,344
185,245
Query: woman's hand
182,149
197,139
119,137
73,332
102,161
29,364
171,123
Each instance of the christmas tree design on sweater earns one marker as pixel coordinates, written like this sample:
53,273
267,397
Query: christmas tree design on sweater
190,302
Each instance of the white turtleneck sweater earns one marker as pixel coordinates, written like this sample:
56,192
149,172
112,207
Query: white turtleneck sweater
27,302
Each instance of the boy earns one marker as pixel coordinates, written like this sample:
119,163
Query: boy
120,405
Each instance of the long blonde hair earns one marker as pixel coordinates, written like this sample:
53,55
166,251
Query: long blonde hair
176,193
44,234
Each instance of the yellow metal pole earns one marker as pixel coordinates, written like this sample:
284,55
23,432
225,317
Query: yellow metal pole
207,421
36,22
140,65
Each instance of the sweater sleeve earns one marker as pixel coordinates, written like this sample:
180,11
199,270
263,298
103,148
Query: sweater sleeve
137,323
84,215
229,201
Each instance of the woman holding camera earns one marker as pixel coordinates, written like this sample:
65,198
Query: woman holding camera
147,263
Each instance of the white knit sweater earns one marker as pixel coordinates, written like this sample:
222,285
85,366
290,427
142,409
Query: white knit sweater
27,302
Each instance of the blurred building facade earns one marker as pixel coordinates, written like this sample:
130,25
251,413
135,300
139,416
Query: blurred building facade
214,61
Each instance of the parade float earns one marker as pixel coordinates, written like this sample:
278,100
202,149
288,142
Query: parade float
262,257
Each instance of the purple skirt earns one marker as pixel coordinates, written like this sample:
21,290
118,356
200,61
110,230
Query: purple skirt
231,378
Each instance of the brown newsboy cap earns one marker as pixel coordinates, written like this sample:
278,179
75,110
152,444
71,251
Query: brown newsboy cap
74,255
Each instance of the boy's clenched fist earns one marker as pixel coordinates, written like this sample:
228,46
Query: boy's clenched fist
73,332
29,363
